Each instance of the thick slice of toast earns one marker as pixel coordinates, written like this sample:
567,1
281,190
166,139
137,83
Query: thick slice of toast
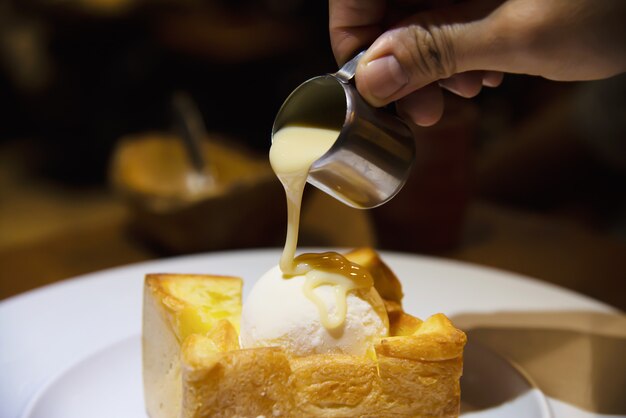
196,369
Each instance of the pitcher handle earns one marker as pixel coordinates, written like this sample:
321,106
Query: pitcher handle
347,71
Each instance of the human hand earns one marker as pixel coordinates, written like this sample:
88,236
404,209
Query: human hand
462,47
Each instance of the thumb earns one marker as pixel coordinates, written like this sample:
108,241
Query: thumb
426,48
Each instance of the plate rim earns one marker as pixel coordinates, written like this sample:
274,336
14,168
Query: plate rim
384,254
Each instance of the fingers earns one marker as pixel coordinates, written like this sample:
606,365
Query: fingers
469,84
354,25
408,64
381,79
429,47
424,106
466,84
492,78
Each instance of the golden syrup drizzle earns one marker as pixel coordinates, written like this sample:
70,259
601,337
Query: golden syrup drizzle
331,269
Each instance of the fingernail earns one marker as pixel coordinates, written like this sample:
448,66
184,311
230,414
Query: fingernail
384,77
451,85
492,79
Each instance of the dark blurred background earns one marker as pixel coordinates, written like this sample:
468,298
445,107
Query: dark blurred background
528,177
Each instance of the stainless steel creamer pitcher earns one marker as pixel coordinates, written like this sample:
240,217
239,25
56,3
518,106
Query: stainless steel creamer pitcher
372,157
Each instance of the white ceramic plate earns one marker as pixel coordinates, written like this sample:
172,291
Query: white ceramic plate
72,350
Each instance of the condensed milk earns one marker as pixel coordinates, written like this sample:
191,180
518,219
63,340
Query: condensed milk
294,149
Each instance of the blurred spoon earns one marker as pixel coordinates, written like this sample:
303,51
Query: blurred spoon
189,127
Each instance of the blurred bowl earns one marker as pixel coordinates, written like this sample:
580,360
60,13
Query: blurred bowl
237,202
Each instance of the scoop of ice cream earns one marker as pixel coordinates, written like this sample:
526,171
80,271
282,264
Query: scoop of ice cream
278,313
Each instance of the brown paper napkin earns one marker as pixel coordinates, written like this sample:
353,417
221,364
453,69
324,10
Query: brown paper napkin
576,357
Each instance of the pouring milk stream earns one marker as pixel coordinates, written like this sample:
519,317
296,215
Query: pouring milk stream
294,149
327,135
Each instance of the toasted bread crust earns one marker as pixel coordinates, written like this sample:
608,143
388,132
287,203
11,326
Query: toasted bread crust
413,376
385,281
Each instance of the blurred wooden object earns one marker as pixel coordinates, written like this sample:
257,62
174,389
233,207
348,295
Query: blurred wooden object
238,203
